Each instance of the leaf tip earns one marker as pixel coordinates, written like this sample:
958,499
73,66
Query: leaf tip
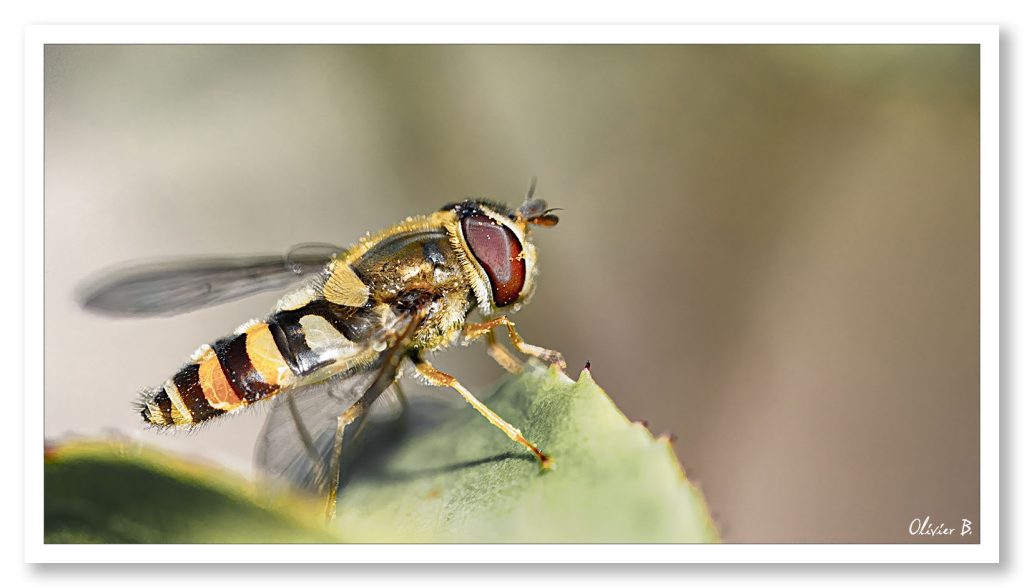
586,377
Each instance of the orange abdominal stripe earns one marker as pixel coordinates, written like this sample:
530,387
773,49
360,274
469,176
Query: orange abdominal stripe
238,370
216,388
245,380
246,367
186,384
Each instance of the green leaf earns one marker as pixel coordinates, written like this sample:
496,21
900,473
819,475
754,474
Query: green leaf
465,481
459,479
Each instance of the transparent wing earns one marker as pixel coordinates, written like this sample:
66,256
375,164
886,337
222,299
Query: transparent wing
172,287
297,439
388,407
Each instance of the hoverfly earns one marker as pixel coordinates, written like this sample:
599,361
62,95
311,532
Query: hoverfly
339,340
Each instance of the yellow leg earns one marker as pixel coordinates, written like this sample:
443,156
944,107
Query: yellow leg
474,331
438,378
502,355
344,421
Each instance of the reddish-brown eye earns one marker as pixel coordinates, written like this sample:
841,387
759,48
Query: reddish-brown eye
497,249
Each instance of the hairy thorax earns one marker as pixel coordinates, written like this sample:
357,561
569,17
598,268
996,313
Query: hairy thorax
420,264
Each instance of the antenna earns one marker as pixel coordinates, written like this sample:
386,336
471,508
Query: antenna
533,186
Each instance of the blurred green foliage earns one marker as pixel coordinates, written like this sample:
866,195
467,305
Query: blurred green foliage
102,492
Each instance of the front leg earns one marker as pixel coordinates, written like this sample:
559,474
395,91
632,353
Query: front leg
473,331
502,355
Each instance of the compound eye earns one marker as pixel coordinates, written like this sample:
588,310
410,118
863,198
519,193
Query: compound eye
497,249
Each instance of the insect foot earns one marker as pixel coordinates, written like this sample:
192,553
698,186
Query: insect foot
554,357
547,463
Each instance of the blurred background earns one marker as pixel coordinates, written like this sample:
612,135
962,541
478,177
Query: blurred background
769,251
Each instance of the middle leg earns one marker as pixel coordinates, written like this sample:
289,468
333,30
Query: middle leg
346,419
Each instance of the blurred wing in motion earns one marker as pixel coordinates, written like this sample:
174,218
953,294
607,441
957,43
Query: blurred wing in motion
173,287
297,440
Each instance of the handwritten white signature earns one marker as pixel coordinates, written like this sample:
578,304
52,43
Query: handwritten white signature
926,527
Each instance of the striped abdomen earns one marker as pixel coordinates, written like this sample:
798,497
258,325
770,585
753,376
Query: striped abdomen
262,360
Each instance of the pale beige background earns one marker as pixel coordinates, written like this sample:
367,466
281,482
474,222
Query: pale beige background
770,251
